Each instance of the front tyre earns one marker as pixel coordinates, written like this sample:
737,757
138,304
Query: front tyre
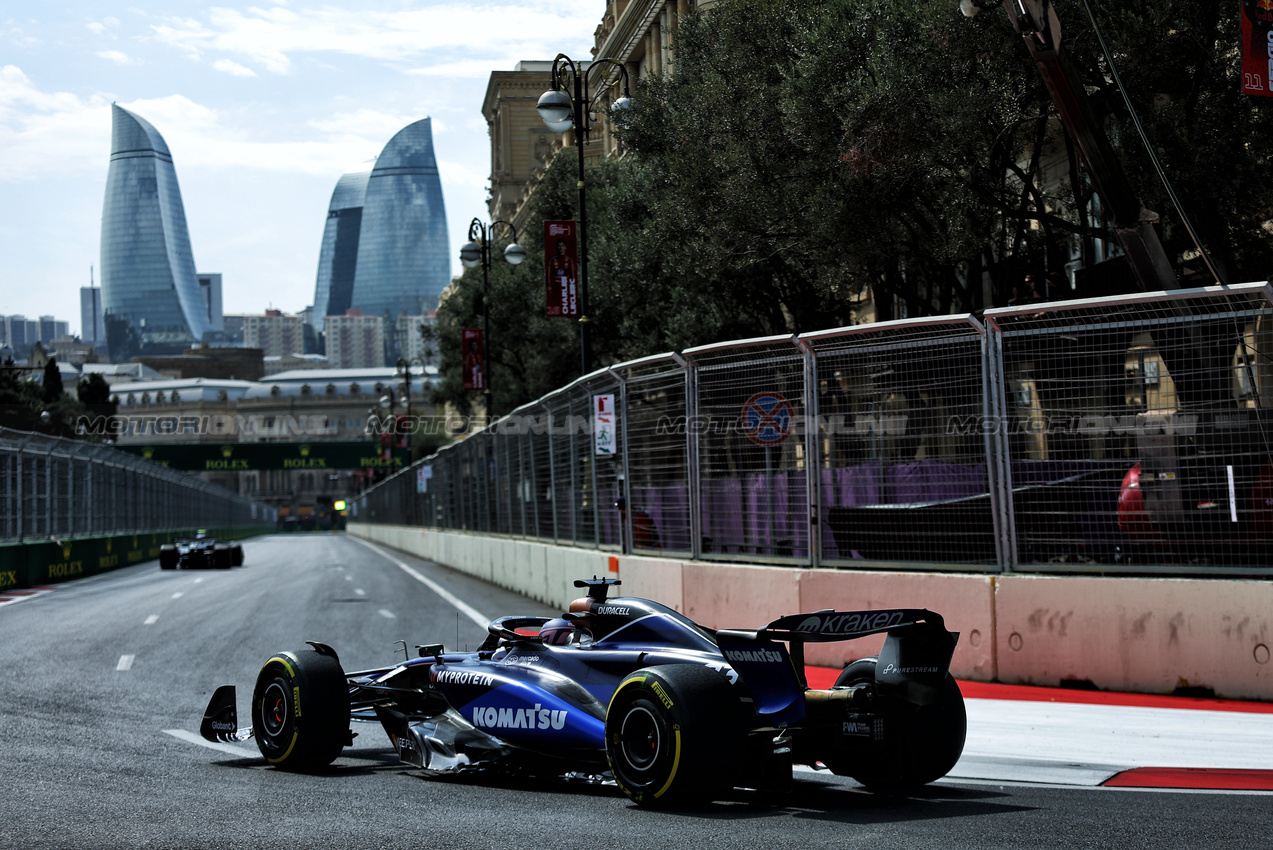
300,710
168,557
671,732
924,742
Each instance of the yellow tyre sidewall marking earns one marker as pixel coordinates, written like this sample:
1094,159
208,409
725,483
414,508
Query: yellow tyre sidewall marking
296,708
676,740
676,761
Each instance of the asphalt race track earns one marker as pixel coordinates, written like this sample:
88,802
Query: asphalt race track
106,680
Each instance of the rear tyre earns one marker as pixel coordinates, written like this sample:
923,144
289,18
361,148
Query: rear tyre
671,733
236,555
168,557
300,710
222,558
924,742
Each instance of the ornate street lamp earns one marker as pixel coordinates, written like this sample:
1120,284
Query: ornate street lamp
561,111
478,252
404,372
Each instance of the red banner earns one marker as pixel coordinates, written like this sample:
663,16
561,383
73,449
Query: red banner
561,266
471,350
1257,47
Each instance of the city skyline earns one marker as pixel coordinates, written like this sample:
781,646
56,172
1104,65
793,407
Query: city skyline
264,108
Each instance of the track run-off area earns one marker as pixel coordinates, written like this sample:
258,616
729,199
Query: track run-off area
106,679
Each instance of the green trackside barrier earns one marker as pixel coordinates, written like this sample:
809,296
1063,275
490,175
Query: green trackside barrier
48,562
13,567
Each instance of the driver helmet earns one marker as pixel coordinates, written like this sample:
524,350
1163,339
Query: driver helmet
556,632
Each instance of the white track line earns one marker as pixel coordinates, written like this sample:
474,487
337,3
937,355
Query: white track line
125,662
192,738
178,595
388,614
151,620
460,605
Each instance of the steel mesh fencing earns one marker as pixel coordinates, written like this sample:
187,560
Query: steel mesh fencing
654,422
1136,433
1124,434
597,463
746,440
902,457
56,488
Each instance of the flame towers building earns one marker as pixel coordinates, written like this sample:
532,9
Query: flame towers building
385,247
338,259
150,293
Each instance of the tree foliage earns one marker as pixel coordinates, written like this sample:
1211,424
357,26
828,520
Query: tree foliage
805,152
26,405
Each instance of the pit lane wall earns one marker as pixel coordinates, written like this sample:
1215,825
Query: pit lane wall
1147,635
24,565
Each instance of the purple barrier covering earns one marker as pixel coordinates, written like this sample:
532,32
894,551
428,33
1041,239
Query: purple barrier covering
874,483
722,512
666,509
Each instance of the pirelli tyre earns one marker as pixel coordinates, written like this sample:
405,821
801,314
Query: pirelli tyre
169,557
222,558
236,555
670,734
923,744
300,710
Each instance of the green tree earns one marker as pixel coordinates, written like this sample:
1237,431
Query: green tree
805,152
53,389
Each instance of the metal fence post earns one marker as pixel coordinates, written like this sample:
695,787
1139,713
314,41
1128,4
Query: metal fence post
998,463
691,458
812,452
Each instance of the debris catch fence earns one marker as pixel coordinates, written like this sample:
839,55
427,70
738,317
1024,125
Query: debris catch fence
56,488
1116,435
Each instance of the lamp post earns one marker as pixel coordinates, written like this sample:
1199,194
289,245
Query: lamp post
478,252
404,372
561,111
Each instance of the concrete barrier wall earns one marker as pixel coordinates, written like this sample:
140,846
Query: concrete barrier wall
1135,634
33,564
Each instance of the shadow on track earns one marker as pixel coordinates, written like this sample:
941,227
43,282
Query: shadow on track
810,799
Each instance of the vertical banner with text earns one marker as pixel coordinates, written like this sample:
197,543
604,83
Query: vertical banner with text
1257,47
561,266
604,421
471,349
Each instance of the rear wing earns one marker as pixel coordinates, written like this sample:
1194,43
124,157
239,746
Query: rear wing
912,664
828,625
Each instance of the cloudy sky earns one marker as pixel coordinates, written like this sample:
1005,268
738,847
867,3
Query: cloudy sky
263,108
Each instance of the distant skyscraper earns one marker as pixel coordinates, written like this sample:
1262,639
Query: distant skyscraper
338,257
150,293
355,341
210,298
392,221
274,333
92,323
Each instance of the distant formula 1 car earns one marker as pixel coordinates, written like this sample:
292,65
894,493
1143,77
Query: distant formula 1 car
629,689
200,552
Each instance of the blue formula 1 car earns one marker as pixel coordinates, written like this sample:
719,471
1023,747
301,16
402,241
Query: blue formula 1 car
200,552
629,689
